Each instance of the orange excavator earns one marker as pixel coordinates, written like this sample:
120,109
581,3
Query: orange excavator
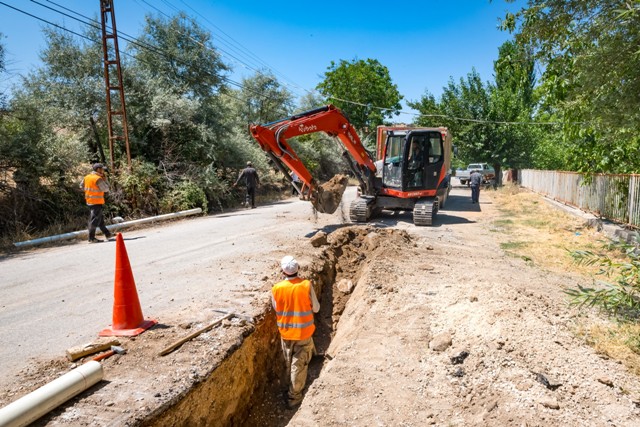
411,170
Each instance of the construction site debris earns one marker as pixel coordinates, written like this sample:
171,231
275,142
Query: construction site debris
78,352
194,334
545,382
440,342
319,239
114,350
457,360
345,286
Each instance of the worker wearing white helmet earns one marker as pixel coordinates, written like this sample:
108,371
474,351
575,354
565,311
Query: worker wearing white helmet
295,301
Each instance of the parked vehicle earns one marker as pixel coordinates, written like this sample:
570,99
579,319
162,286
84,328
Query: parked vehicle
488,173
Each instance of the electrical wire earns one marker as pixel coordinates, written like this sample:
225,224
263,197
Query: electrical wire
130,39
231,82
239,85
248,52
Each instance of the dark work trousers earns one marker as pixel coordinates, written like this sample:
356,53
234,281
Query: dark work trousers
96,220
251,196
475,194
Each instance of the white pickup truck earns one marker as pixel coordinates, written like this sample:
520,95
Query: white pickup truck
487,172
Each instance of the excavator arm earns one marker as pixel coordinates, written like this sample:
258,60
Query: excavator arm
273,139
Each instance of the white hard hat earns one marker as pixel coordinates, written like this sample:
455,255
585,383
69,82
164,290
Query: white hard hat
289,265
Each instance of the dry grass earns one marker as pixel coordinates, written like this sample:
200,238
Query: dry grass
540,233
530,228
618,341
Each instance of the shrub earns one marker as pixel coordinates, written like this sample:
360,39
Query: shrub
620,297
185,195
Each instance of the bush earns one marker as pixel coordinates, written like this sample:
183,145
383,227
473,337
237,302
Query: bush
621,298
185,195
137,191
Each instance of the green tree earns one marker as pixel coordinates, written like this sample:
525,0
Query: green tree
463,107
590,56
363,89
262,99
512,107
177,115
3,68
180,55
68,89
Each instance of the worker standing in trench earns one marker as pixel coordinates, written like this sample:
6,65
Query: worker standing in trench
295,301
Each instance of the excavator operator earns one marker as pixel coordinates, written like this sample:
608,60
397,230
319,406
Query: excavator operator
416,163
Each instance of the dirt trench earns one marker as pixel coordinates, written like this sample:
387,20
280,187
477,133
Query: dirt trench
248,386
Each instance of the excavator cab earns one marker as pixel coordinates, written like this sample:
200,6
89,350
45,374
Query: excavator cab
413,160
414,173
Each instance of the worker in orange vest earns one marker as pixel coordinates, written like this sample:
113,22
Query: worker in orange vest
295,301
95,185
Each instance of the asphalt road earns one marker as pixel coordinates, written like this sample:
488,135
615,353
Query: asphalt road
61,296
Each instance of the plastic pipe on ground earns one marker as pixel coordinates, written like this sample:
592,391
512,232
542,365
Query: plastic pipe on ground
48,397
113,227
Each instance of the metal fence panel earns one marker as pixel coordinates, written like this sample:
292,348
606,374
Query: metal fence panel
614,197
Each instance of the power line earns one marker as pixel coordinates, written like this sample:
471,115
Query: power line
130,39
153,49
249,52
94,24
231,82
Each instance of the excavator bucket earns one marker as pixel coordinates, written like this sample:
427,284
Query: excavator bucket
328,195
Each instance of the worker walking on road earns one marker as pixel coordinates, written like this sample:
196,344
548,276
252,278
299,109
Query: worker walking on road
95,185
295,301
251,181
475,181
295,182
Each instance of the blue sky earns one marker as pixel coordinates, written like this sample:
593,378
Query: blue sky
422,43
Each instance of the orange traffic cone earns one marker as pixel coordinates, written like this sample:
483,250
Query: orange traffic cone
127,314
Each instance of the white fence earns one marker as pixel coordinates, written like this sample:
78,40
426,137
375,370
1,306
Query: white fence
615,197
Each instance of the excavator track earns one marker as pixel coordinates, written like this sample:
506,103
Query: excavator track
424,212
360,209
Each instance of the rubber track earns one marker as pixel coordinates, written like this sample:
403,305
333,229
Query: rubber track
424,212
359,211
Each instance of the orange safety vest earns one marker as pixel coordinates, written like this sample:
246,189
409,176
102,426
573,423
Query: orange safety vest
92,193
294,312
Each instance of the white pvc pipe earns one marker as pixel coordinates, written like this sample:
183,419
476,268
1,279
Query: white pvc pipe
113,227
48,397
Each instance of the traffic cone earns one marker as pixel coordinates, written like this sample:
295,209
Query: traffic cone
127,314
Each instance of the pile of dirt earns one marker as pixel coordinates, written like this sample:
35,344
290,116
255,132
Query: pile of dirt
330,194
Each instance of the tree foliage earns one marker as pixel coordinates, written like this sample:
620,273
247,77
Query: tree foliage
262,99
589,51
363,89
188,135
179,54
621,262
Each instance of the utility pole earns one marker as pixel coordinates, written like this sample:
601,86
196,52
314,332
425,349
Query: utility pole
116,109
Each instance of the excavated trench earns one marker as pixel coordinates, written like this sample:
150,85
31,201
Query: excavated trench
248,387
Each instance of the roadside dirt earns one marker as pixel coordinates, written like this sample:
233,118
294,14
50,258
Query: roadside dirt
442,327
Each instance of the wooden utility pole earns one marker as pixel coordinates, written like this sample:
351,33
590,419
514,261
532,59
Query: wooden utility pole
116,109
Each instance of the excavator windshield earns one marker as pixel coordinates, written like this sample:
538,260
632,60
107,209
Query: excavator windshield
392,165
